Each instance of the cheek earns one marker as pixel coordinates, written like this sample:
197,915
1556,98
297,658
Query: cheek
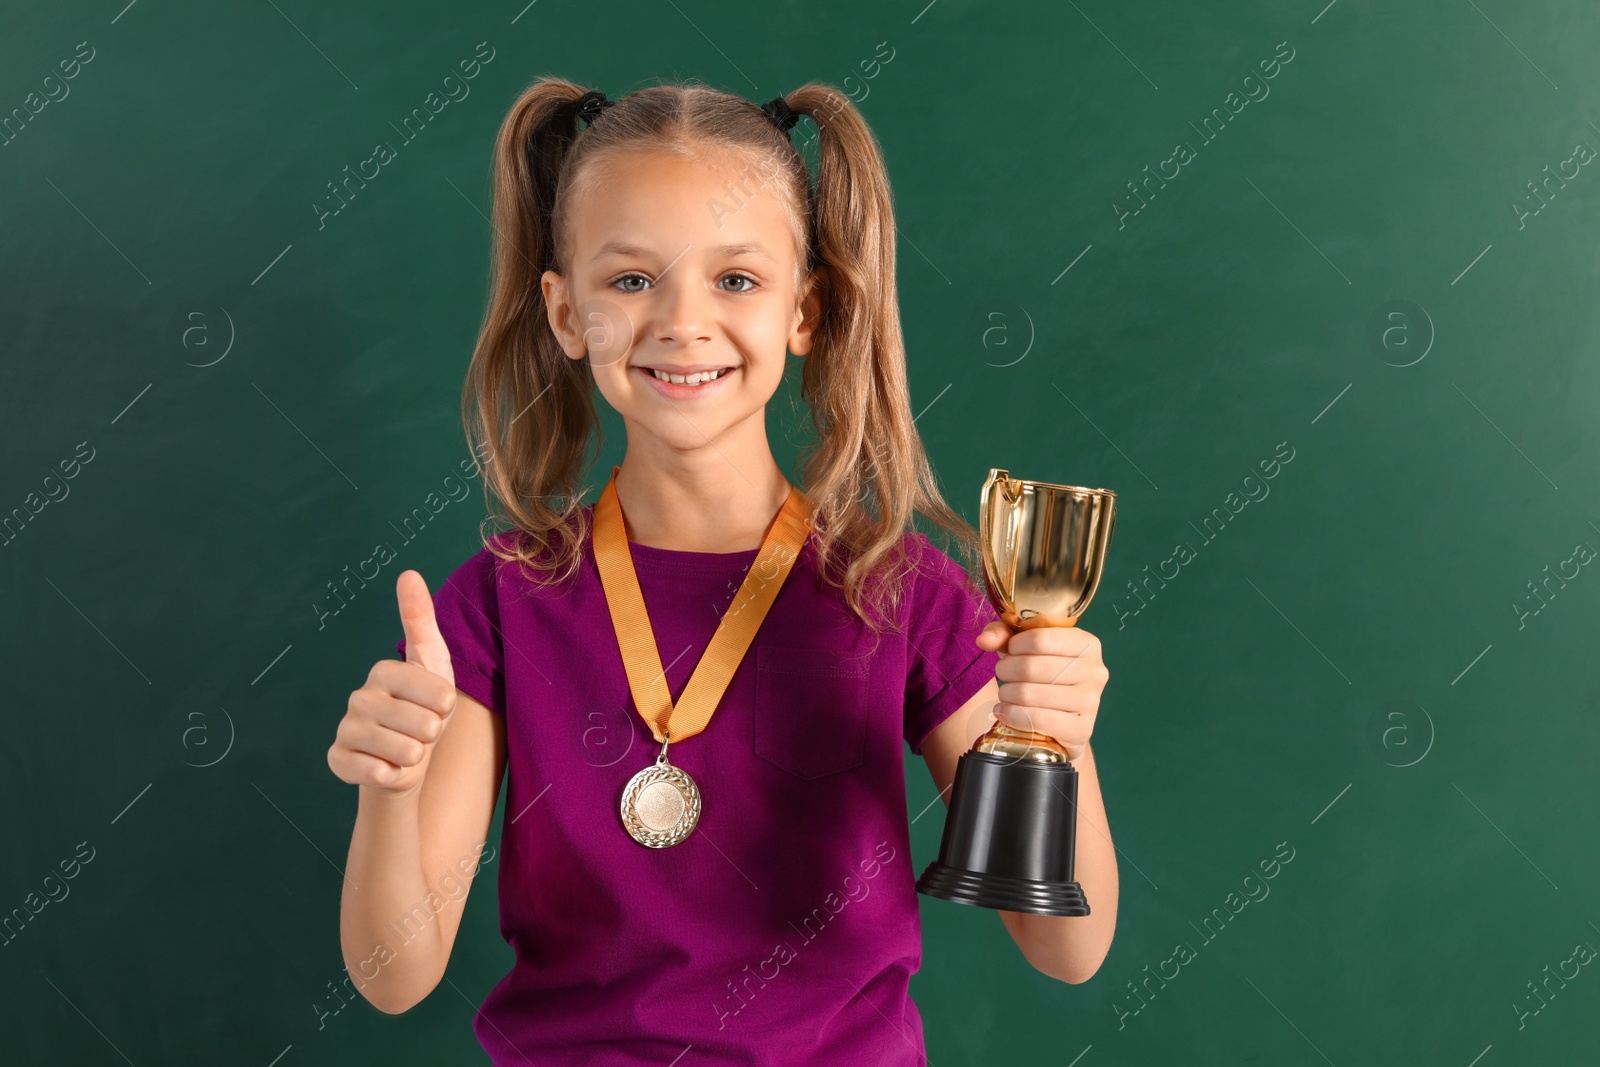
612,381
608,361
765,377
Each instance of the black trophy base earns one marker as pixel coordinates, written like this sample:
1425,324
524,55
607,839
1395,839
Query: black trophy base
1009,837
998,891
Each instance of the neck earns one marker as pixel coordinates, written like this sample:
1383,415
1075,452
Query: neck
721,502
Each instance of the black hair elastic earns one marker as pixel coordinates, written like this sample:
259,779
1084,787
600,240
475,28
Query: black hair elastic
590,104
777,109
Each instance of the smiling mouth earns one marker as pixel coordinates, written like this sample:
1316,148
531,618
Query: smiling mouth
691,380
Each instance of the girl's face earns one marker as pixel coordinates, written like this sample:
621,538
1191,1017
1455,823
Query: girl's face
682,267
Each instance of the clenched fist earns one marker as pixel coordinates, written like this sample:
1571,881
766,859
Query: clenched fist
389,729
1051,679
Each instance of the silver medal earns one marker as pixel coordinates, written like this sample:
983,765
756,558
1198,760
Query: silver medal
660,804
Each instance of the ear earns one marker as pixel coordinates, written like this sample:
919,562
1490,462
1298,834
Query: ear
563,316
808,315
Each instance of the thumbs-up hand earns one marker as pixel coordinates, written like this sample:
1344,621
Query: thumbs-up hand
392,722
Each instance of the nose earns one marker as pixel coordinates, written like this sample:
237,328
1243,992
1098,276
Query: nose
683,310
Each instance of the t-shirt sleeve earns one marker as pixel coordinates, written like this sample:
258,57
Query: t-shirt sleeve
467,607
944,666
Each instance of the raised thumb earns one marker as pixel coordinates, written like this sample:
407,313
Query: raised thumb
424,643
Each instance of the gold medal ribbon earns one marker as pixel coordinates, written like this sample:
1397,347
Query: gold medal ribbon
735,631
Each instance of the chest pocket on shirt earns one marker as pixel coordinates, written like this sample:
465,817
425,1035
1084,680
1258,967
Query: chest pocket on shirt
810,711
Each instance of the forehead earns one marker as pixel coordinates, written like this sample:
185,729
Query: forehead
668,201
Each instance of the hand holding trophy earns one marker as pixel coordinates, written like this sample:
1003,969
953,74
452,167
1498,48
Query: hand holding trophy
1010,834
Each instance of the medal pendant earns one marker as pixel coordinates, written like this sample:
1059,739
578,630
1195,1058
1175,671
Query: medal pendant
660,804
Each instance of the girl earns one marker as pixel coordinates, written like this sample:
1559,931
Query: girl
719,866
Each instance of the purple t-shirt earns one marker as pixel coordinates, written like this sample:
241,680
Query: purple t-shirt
785,928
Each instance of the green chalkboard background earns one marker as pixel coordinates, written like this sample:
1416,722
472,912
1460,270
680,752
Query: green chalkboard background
1380,262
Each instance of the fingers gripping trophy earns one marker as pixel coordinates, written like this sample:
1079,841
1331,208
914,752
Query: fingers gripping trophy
1010,833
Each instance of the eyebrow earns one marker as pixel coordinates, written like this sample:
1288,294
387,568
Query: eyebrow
621,248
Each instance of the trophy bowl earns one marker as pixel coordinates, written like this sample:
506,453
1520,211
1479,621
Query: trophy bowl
1044,548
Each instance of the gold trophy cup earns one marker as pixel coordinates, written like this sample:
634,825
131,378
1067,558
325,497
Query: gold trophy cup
1010,833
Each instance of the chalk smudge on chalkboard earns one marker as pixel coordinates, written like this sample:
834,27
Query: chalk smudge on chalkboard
1184,953
1536,601
12,925
1255,489
1184,153
1537,201
1582,953
385,153
341,592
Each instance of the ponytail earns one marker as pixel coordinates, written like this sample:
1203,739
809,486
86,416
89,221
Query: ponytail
866,469
525,403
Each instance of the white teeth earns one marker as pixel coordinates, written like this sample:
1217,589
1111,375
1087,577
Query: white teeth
689,379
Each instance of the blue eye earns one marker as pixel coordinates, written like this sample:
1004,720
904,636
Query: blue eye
621,283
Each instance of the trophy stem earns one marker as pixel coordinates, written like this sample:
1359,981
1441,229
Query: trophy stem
1006,740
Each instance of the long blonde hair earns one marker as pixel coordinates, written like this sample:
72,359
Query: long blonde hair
529,410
